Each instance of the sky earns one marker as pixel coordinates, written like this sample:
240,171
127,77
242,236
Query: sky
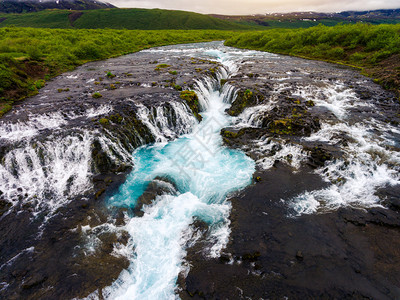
240,7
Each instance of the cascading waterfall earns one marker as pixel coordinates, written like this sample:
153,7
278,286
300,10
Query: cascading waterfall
47,171
159,120
204,173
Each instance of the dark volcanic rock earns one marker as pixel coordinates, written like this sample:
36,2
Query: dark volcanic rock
346,254
159,186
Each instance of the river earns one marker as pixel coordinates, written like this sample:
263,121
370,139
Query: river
141,197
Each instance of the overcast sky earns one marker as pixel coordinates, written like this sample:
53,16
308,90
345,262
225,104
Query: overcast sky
238,7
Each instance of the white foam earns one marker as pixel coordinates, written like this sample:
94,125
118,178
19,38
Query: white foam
49,174
367,165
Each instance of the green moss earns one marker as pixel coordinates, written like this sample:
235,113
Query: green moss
193,102
173,72
310,103
222,82
63,90
110,75
104,121
117,118
97,95
161,66
244,99
177,87
229,134
40,83
251,256
4,108
113,87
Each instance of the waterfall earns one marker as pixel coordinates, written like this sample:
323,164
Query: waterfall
46,171
204,173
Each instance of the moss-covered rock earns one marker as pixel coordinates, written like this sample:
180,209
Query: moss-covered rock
193,102
294,124
245,99
104,121
97,95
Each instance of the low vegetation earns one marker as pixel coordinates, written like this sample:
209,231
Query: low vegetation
373,48
30,56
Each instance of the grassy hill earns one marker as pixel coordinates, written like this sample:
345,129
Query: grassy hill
116,18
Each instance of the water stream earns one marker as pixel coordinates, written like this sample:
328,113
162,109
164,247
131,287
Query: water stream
203,172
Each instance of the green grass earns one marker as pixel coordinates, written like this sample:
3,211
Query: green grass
47,18
359,44
372,48
28,56
117,18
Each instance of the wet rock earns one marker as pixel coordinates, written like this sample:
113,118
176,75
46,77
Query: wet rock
4,206
299,255
159,186
33,280
318,156
245,98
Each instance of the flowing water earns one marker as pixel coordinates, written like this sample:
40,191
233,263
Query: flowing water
47,159
204,173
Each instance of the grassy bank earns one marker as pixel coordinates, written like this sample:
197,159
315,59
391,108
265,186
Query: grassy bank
375,49
29,57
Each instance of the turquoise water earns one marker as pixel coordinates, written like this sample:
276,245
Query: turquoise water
204,172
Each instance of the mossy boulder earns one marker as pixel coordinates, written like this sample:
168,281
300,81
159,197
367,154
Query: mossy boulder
231,133
295,124
245,99
193,102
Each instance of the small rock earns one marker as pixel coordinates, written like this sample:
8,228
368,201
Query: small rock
299,255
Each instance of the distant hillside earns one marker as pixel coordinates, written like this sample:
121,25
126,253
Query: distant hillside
20,6
309,19
116,18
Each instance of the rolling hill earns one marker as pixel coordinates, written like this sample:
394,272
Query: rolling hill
117,18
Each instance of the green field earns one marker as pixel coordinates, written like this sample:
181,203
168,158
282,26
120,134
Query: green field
117,18
28,56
